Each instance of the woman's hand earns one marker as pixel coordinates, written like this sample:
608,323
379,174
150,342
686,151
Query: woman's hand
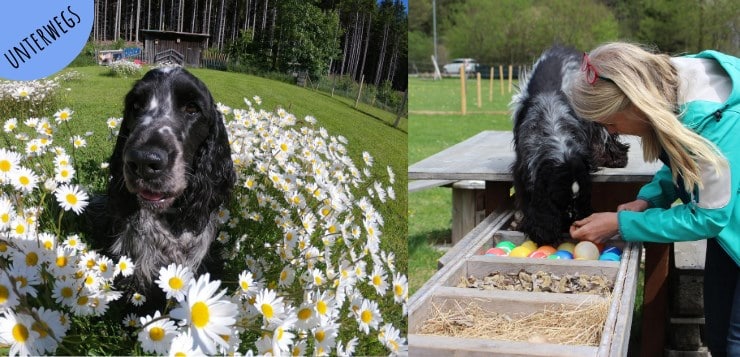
597,228
634,206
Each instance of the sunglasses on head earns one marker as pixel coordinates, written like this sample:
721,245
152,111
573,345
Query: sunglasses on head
591,73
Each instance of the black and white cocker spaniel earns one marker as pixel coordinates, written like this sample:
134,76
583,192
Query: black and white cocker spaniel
171,170
555,150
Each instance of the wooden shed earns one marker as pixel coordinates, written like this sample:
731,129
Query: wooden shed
183,48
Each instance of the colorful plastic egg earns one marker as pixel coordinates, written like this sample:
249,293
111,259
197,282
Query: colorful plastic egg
612,249
538,254
562,254
529,244
496,251
586,251
548,249
520,252
567,246
610,257
506,246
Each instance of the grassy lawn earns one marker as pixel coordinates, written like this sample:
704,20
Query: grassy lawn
98,96
429,211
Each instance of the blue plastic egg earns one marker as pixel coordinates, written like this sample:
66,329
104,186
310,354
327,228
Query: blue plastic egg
610,256
612,249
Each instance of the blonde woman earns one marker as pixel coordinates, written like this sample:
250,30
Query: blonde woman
687,112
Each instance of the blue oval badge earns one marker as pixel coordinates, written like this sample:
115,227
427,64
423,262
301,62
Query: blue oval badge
41,37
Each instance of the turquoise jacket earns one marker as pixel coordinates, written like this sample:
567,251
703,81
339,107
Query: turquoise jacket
706,213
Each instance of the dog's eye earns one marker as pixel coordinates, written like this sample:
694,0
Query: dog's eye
191,108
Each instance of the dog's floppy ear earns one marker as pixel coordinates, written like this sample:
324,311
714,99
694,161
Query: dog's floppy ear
121,202
213,175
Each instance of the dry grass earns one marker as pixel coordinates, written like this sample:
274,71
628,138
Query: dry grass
582,325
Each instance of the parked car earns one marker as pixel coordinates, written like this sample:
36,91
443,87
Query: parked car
454,66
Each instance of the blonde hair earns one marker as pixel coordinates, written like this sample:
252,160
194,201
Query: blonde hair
650,82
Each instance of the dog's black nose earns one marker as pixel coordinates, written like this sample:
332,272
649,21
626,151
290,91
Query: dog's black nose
147,163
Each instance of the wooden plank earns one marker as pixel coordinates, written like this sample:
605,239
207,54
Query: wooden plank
444,346
420,185
463,213
513,303
482,265
620,343
489,154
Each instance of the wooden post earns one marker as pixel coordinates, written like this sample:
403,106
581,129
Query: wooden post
490,86
510,75
478,87
359,92
501,77
463,99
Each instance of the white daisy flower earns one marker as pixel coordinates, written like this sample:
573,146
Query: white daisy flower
131,320
156,336
377,279
183,346
400,288
16,331
24,179
174,280
208,315
64,174
64,292
269,305
8,297
257,99
73,242
125,266
287,275
113,123
324,306
368,316
104,266
78,142
34,148
82,306
248,285
63,115
306,315
391,338
325,336
138,299
9,162
282,338
6,211
71,197
349,349
48,325
10,125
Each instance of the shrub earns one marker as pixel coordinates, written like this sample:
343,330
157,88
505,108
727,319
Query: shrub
124,68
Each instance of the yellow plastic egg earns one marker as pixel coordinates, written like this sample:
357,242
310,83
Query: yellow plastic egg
567,246
520,252
530,245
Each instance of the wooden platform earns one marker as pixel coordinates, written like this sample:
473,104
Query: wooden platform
441,292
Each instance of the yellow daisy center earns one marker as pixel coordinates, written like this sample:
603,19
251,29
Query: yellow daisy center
284,147
398,289
156,333
366,316
82,300
180,354
32,259
320,335
4,294
64,116
200,314
41,328
48,245
24,180
245,285
20,333
71,199
5,217
321,307
67,292
304,314
376,280
61,261
267,310
175,283
5,165
122,266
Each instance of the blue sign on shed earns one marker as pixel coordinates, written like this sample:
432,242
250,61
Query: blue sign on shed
131,51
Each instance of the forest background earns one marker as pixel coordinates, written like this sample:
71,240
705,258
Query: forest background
346,38
516,31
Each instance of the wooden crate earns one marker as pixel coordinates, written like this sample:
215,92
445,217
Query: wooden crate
467,259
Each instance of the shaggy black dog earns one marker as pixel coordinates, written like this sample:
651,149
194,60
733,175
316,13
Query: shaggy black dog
555,150
171,170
